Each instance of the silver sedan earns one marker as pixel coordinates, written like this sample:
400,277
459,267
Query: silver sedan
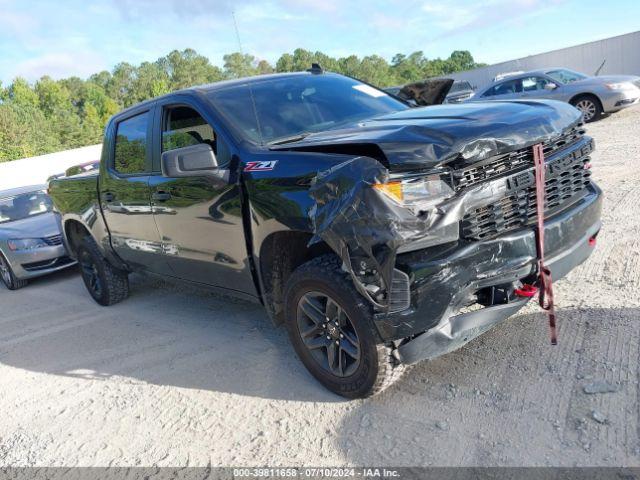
591,95
30,236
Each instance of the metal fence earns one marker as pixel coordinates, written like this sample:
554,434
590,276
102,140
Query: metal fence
621,55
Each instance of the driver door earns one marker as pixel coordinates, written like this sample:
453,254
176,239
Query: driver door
199,219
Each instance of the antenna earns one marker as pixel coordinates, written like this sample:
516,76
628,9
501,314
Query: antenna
253,100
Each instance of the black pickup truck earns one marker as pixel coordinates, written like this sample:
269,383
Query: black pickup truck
378,233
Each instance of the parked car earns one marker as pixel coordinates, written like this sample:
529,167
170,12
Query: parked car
77,170
593,96
379,234
30,238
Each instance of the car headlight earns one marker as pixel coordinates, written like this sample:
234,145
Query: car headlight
26,244
418,192
620,86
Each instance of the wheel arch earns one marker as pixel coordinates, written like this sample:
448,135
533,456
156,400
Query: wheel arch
586,94
74,232
280,254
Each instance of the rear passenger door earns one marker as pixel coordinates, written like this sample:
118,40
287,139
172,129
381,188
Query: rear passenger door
125,195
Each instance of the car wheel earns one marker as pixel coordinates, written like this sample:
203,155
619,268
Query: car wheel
107,284
331,328
589,106
8,277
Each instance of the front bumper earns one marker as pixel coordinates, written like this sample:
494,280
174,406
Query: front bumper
619,99
444,279
41,261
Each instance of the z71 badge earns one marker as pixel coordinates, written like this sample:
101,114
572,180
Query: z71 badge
260,166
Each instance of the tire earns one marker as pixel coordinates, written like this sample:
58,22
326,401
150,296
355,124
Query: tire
590,107
107,284
315,339
8,276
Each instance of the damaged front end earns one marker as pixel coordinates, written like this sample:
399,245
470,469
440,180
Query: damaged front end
440,251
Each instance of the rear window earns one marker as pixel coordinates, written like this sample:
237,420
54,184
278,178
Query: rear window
131,144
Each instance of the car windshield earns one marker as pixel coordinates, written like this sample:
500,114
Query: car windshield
24,205
566,76
460,86
284,108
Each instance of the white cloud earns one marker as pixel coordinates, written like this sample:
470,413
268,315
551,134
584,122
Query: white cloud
60,65
456,18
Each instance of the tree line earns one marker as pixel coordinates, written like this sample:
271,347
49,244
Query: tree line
51,115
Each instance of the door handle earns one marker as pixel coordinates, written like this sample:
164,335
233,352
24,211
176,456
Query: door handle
161,196
108,197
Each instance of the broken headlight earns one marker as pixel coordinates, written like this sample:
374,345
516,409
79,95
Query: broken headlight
419,192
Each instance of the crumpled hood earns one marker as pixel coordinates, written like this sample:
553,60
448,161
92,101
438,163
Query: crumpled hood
434,136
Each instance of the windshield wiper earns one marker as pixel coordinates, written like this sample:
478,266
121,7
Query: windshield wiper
291,139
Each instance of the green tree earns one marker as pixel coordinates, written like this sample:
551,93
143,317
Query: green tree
52,96
188,68
20,93
238,65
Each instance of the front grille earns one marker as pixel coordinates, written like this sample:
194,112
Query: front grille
566,180
506,164
54,240
46,264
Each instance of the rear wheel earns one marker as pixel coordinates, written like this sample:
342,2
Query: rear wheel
589,106
331,328
107,284
8,277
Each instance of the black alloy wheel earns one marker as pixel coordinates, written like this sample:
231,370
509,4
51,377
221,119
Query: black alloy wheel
90,274
327,332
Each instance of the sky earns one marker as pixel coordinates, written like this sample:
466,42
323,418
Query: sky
79,37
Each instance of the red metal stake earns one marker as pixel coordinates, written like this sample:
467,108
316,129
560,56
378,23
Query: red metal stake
546,283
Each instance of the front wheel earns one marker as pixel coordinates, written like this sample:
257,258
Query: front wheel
331,328
8,277
589,106
107,284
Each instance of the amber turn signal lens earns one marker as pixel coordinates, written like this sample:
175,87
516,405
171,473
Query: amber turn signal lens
391,189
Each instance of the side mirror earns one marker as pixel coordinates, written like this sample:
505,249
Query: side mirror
550,86
193,161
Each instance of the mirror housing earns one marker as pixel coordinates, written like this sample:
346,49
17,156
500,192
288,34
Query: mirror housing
192,161
550,86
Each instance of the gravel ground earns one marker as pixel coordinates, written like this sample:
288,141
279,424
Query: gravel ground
174,377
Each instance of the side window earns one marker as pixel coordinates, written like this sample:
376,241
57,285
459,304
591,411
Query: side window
508,88
531,84
183,127
131,144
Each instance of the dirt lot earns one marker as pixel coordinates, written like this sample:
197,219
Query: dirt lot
174,377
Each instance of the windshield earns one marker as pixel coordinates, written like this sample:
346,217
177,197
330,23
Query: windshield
460,86
290,106
566,76
24,205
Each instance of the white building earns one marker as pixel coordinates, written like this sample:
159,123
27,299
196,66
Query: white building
616,55
36,170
